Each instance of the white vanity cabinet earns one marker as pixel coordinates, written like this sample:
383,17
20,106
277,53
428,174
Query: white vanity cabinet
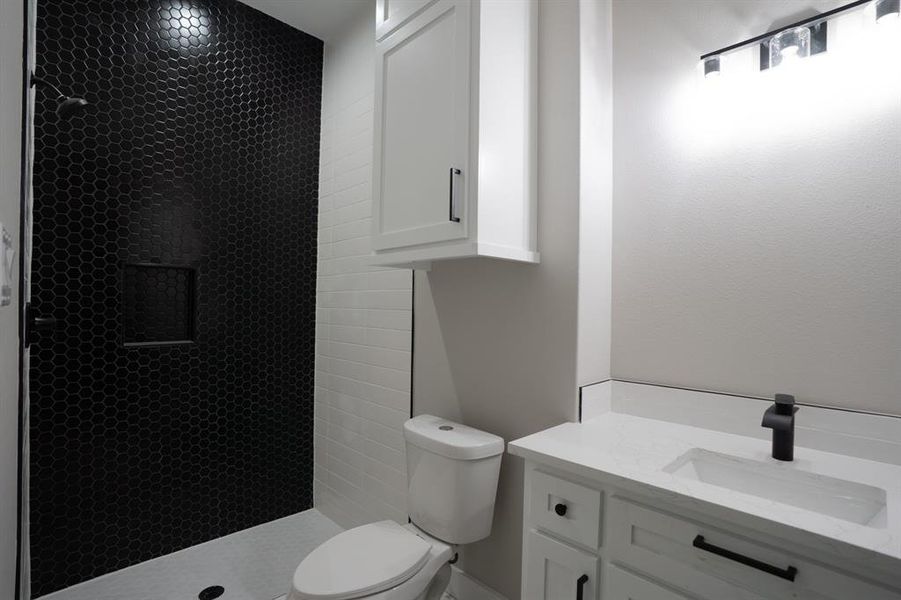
625,546
454,149
623,585
554,569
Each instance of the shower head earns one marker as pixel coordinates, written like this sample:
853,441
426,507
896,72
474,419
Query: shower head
67,106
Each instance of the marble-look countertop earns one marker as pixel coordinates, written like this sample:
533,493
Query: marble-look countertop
631,453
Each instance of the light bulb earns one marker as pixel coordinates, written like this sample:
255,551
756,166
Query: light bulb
887,11
789,52
711,67
789,45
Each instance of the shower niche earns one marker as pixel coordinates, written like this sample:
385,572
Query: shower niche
158,304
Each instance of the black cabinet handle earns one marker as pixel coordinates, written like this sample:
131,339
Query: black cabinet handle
788,573
560,509
452,200
580,586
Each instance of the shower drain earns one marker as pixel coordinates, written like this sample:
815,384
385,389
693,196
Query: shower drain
214,591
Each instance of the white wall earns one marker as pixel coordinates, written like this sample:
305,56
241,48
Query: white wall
495,342
325,19
757,222
363,314
11,26
595,189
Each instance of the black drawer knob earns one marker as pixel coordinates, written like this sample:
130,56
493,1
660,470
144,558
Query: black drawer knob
560,509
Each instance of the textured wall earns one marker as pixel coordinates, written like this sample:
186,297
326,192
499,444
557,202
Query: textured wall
364,313
200,149
11,28
756,223
495,341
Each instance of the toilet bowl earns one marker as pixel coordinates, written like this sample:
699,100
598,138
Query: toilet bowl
378,561
452,473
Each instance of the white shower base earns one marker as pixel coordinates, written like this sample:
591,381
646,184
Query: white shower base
253,564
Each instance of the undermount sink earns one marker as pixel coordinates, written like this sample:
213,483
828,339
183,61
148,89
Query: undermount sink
846,500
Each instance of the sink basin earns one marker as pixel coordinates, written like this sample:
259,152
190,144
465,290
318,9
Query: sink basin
846,500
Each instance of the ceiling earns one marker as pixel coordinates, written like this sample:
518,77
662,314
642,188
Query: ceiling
322,18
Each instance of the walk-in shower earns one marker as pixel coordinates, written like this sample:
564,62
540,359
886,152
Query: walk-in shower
174,243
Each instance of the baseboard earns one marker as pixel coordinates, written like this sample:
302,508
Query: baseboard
465,587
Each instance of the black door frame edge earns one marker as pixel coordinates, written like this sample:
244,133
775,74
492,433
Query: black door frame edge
23,194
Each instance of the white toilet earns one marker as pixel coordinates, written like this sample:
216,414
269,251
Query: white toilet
452,475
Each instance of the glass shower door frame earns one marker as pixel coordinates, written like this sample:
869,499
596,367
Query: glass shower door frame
23,563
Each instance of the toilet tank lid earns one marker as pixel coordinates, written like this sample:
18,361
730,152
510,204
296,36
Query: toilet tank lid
450,439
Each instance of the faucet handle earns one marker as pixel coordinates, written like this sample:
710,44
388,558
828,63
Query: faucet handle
785,404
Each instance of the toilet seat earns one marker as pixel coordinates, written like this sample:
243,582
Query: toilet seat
361,562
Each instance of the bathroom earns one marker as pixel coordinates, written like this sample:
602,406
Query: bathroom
457,299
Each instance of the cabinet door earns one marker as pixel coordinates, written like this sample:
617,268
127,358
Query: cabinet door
391,14
420,166
556,571
622,585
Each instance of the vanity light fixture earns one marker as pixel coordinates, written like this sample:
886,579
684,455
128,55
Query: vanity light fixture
798,40
788,46
888,10
711,66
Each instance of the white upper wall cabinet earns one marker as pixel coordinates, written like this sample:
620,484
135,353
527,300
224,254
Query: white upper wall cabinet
454,152
391,14
423,142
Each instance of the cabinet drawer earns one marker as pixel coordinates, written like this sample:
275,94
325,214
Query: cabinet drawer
580,521
557,571
622,585
669,548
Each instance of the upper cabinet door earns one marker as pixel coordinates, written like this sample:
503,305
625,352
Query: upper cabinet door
391,14
421,157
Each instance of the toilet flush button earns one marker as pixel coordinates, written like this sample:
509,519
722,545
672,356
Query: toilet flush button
446,428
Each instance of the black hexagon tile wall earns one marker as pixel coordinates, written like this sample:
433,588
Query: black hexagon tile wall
199,151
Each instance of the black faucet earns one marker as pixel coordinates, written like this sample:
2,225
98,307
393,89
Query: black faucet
780,417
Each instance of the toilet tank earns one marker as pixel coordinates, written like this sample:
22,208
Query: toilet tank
452,473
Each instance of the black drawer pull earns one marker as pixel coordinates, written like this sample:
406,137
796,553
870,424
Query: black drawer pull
560,509
580,586
788,573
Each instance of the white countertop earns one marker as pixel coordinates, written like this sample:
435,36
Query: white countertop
623,450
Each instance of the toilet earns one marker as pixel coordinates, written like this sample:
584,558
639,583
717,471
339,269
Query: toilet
452,473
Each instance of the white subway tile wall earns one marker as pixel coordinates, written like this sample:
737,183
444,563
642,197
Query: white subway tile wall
363,327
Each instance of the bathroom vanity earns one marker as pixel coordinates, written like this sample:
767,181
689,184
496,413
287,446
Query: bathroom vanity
625,507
